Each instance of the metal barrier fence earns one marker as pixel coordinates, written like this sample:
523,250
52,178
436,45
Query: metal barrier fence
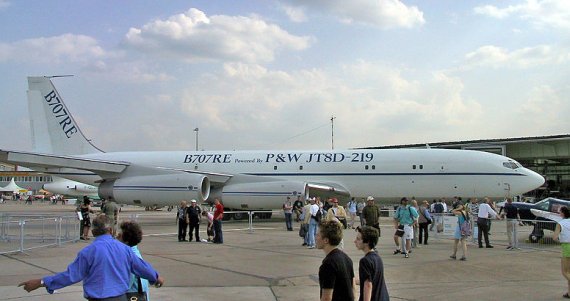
250,216
526,234
19,233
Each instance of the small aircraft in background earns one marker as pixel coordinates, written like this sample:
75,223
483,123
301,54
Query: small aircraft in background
543,215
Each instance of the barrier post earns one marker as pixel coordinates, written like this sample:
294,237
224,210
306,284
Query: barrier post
250,221
58,230
21,223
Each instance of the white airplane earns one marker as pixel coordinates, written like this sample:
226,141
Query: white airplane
254,180
71,188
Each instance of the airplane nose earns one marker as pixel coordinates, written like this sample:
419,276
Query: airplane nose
535,180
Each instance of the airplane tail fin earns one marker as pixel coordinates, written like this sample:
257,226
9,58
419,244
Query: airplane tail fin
54,131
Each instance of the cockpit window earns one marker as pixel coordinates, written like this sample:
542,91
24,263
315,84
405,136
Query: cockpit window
543,205
510,164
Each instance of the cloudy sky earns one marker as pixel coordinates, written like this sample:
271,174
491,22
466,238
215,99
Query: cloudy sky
270,74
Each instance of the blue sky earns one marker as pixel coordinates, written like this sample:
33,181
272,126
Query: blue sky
270,74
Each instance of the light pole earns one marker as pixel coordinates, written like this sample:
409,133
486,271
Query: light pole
332,131
196,130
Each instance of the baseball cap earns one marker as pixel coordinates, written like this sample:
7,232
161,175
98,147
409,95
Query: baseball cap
193,201
370,198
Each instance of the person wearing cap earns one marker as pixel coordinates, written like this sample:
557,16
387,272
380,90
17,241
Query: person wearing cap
194,214
371,213
337,212
288,211
404,219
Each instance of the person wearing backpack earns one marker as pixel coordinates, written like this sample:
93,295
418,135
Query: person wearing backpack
438,209
462,231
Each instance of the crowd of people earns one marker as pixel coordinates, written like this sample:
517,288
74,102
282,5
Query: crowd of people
114,257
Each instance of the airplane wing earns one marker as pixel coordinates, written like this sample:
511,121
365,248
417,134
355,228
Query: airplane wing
42,162
104,168
545,214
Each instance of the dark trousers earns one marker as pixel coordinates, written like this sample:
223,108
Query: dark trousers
289,221
118,298
483,225
182,225
218,236
194,227
423,232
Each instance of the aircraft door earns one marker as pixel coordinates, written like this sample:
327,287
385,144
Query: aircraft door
507,188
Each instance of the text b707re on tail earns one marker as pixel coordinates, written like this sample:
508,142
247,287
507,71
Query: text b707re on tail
253,180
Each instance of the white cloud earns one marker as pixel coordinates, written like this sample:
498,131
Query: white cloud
295,14
193,36
546,13
66,48
4,4
497,57
549,109
373,103
382,13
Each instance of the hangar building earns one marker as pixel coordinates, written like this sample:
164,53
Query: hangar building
546,155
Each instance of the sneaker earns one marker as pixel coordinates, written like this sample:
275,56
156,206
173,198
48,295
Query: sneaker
397,252
489,247
304,244
463,258
453,257
310,247
406,255
509,248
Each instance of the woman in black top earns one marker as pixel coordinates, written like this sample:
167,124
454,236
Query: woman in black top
85,209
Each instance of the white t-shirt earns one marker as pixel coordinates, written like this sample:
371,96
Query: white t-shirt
565,230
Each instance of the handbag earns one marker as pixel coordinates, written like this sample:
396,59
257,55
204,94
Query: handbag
303,230
465,227
400,231
138,295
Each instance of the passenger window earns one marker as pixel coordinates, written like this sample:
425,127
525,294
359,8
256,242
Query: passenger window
373,166
274,167
421,167
366,167
301,167
413,166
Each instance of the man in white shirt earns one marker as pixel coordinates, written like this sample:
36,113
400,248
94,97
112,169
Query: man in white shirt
483,220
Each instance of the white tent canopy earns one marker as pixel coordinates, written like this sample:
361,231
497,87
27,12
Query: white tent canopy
14,188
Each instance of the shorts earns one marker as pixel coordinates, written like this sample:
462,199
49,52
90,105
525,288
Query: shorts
565,249
408,232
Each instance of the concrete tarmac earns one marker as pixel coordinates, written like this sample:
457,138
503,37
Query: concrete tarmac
270,264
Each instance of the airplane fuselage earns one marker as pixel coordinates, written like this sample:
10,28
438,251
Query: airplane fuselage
385,174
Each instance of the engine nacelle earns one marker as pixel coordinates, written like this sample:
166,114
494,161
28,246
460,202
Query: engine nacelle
157,189
261,195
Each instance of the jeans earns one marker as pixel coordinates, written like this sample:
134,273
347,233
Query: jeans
182,225
218,236
312,231
289,221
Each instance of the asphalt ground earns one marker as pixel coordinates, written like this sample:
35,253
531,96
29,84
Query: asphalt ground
269,263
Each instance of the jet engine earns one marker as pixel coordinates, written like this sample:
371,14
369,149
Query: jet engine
261,195
156,189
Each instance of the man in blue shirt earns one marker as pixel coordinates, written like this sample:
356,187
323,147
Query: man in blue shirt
105,267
